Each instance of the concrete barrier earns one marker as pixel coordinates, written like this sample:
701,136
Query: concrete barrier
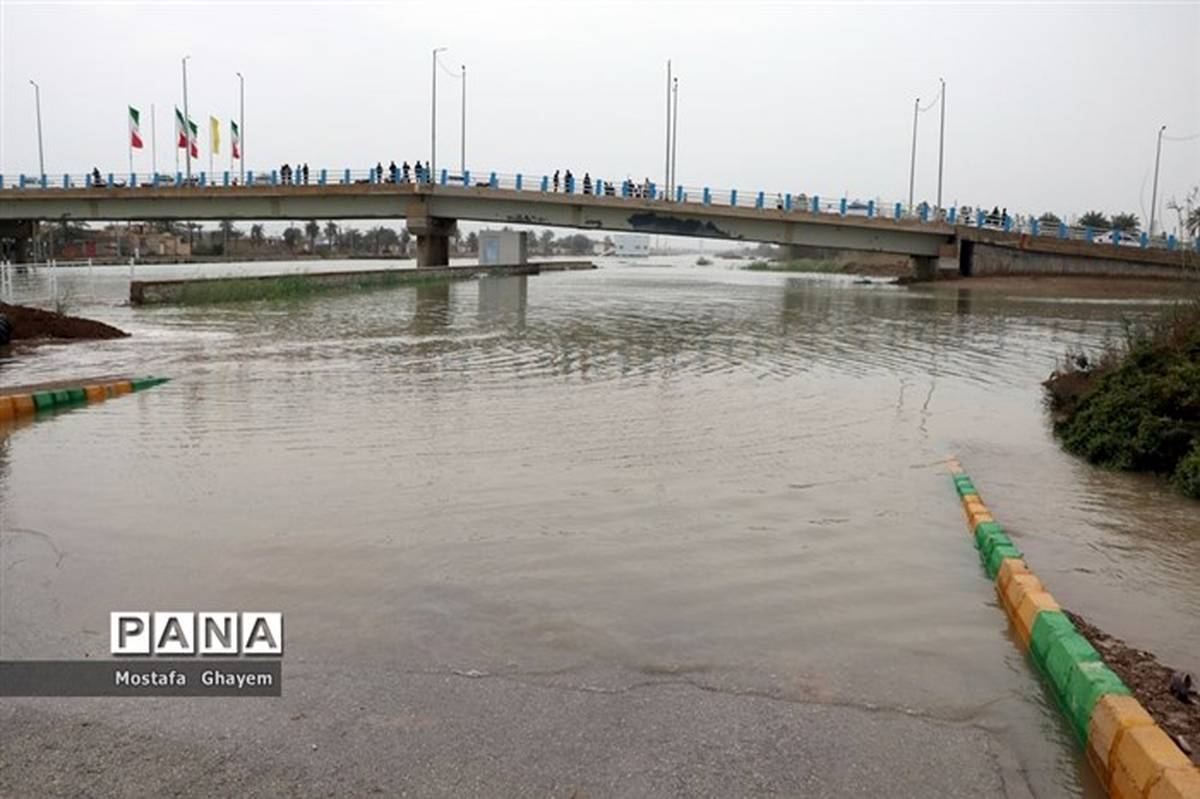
21,405
1123,744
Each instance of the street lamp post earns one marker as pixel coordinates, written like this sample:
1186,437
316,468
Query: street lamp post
912,169
241,142
674,140
433,119
187,123
667,166
941,141
37,99
462,164
1154,191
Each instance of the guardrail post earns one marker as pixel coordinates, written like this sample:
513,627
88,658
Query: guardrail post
733,197
842,207
21,183
492,181
1087,235
203,179
518,181
545,184
43,180
1,181
1007,224
324,178
870,209
625,188
466,178
816,204
225,178
787,202
249,177
707,196
346,175
445,176
1033,226
680,194
896,212
110,180
979,217
758,202
1171,242
66,181
653,191
570,184
1198,244
133,181
1145,240
924,212
953,216
1062,229
274,176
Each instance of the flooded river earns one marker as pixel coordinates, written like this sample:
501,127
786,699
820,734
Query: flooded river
650,472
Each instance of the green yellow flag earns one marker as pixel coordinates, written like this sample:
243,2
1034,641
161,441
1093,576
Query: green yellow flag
214,131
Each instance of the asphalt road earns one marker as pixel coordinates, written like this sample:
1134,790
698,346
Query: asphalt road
345,733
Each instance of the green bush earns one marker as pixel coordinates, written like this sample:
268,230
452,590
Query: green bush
1141,411
1187,473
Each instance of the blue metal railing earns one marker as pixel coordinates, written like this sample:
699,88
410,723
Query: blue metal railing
626,189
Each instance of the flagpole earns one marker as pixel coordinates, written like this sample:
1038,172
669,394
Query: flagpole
153,142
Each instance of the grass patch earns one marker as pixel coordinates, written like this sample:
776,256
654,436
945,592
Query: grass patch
294,287
1137,405
796,265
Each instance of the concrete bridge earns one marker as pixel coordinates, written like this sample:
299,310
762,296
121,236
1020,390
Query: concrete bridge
432,210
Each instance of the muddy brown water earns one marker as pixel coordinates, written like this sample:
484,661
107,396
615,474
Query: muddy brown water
654,470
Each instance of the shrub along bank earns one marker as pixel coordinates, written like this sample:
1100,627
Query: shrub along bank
1137,407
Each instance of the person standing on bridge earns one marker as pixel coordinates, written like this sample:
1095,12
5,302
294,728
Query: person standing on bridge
393,173
405,171
306,174
285,174
555,179
587,183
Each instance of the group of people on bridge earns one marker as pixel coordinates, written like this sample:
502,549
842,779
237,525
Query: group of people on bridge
566,181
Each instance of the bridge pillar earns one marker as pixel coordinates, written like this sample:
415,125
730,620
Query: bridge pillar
433,239
16,240
925,267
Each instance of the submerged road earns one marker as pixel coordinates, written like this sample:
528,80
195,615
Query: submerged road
359,733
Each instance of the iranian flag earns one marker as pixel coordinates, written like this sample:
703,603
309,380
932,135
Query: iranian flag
180,136
235,140
135,133
195,139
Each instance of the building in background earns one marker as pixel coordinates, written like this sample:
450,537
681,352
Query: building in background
505,247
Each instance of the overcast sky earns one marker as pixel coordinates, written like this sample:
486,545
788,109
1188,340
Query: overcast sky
1049,107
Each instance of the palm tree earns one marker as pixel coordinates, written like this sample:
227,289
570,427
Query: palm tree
1126,223
331,234
312,229
256,236
1094,219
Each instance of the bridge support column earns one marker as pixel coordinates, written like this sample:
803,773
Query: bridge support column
16,240
925,267
433,239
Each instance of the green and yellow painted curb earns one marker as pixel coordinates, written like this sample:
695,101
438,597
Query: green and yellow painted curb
1131,754
17,406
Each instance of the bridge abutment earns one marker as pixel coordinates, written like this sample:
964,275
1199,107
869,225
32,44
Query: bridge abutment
16,240
433,239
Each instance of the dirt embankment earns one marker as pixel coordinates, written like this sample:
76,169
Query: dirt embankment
1150,682
34,323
